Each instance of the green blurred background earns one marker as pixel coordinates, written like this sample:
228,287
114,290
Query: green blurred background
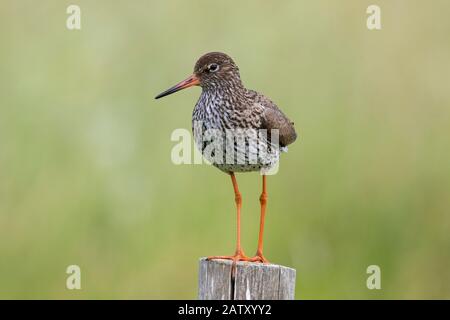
85,170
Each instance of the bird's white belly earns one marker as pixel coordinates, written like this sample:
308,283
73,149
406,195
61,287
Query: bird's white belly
228,143
235,150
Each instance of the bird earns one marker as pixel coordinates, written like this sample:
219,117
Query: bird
226,105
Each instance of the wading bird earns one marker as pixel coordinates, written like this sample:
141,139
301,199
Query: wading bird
225,104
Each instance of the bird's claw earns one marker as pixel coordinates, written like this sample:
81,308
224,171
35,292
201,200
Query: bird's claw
238,256
259,257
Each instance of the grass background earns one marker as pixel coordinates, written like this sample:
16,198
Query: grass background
85,170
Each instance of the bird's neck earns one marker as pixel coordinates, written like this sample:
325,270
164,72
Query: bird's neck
223,93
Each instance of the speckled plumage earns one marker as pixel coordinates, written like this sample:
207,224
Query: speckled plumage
237,130
226,104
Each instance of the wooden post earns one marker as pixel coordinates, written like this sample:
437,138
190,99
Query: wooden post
250,281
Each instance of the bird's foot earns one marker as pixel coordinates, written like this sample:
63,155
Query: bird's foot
238,256
259,257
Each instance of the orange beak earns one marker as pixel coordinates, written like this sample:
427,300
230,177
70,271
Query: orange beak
189,82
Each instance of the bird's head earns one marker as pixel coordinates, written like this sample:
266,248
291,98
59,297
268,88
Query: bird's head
214,70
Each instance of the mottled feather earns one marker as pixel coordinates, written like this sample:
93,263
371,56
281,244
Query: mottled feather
226,104
273,118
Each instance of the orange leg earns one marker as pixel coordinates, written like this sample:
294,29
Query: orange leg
259,257
239,254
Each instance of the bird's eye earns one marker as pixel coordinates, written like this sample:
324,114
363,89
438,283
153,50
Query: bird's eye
213,67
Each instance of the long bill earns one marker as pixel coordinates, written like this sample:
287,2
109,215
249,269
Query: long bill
189,82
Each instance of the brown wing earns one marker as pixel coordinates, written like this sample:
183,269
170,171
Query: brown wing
273,118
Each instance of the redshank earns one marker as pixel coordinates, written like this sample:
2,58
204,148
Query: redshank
226,105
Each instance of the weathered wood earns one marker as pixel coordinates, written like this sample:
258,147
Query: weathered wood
212,286
250,281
